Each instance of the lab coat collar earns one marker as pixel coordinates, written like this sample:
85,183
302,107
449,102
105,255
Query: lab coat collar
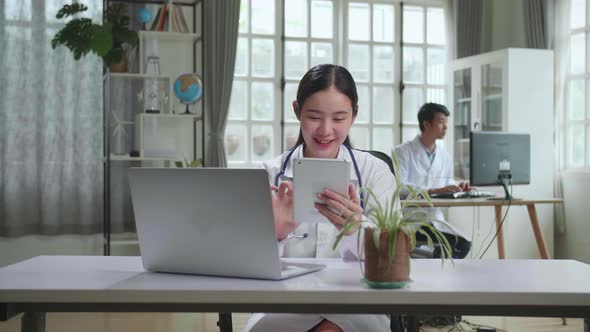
419,141
298,153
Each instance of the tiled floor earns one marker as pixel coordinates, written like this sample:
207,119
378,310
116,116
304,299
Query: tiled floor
156,322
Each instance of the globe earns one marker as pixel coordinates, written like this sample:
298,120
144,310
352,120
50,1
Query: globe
144,15
188,88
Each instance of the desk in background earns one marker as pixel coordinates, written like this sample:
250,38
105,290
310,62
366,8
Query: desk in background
497,204
549,288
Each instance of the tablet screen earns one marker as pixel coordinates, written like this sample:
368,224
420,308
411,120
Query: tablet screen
310,177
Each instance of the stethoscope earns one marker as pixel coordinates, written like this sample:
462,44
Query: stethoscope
356,171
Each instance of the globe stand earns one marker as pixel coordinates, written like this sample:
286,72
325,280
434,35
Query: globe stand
186,111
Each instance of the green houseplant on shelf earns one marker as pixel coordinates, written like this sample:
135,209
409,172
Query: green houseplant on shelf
82,36
390,235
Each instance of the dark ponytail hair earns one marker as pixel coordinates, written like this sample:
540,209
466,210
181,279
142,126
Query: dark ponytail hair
323,77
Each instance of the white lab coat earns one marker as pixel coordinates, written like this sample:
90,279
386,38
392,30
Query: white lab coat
417,170
376,175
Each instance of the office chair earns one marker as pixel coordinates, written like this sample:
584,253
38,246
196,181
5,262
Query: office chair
382,156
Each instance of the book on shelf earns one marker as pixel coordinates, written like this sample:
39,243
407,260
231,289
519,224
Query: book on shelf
156,20
181,19
161,19
170,18
173,18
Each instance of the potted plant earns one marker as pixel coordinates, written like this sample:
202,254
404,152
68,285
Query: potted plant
82,36
188,164
390,235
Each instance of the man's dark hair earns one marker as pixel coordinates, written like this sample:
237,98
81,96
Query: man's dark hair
426,113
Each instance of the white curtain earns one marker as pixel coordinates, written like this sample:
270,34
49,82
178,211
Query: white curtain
50,126
562,56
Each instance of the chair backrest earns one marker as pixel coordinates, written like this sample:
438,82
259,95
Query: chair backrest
382,156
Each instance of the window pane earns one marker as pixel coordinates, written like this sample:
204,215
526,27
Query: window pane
435,26
236,143
576,145
18,10
322,19
413,71
321,53
436,96
383,23
291,135
263,16
238,105
412,100
296,18
359,137
289,96
383,139
357,62
364,104
409,132
244,16
383,105
577,13
358,21
262,101
413,24
435,63
383,64
295,59
241,67
577,103
262,142
577,53
263,56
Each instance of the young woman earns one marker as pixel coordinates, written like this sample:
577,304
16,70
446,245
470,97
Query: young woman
326,107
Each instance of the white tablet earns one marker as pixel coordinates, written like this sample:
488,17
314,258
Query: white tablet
310,177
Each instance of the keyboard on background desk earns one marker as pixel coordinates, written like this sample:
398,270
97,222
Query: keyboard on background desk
463,194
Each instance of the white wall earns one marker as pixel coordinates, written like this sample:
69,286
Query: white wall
20,248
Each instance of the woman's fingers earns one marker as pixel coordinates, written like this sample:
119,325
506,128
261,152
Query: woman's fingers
339,202
352,194
285,190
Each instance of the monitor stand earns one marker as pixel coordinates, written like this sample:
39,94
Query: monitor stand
503,179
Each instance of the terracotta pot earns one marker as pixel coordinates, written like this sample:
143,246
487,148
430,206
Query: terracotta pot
378,265
119,67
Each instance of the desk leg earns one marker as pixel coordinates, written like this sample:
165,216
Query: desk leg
537,230
500,237
224,323
413,325
33,322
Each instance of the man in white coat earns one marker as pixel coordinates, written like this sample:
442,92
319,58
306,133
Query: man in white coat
425,165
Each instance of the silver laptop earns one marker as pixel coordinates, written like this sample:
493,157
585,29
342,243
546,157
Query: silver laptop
211,221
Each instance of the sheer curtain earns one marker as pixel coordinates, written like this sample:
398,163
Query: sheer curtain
50,126
562,56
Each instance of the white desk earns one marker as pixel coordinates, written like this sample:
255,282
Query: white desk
553,288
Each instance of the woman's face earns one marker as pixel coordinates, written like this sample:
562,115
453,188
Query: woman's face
325,117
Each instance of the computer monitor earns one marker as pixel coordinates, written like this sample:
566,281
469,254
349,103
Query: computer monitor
499,158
